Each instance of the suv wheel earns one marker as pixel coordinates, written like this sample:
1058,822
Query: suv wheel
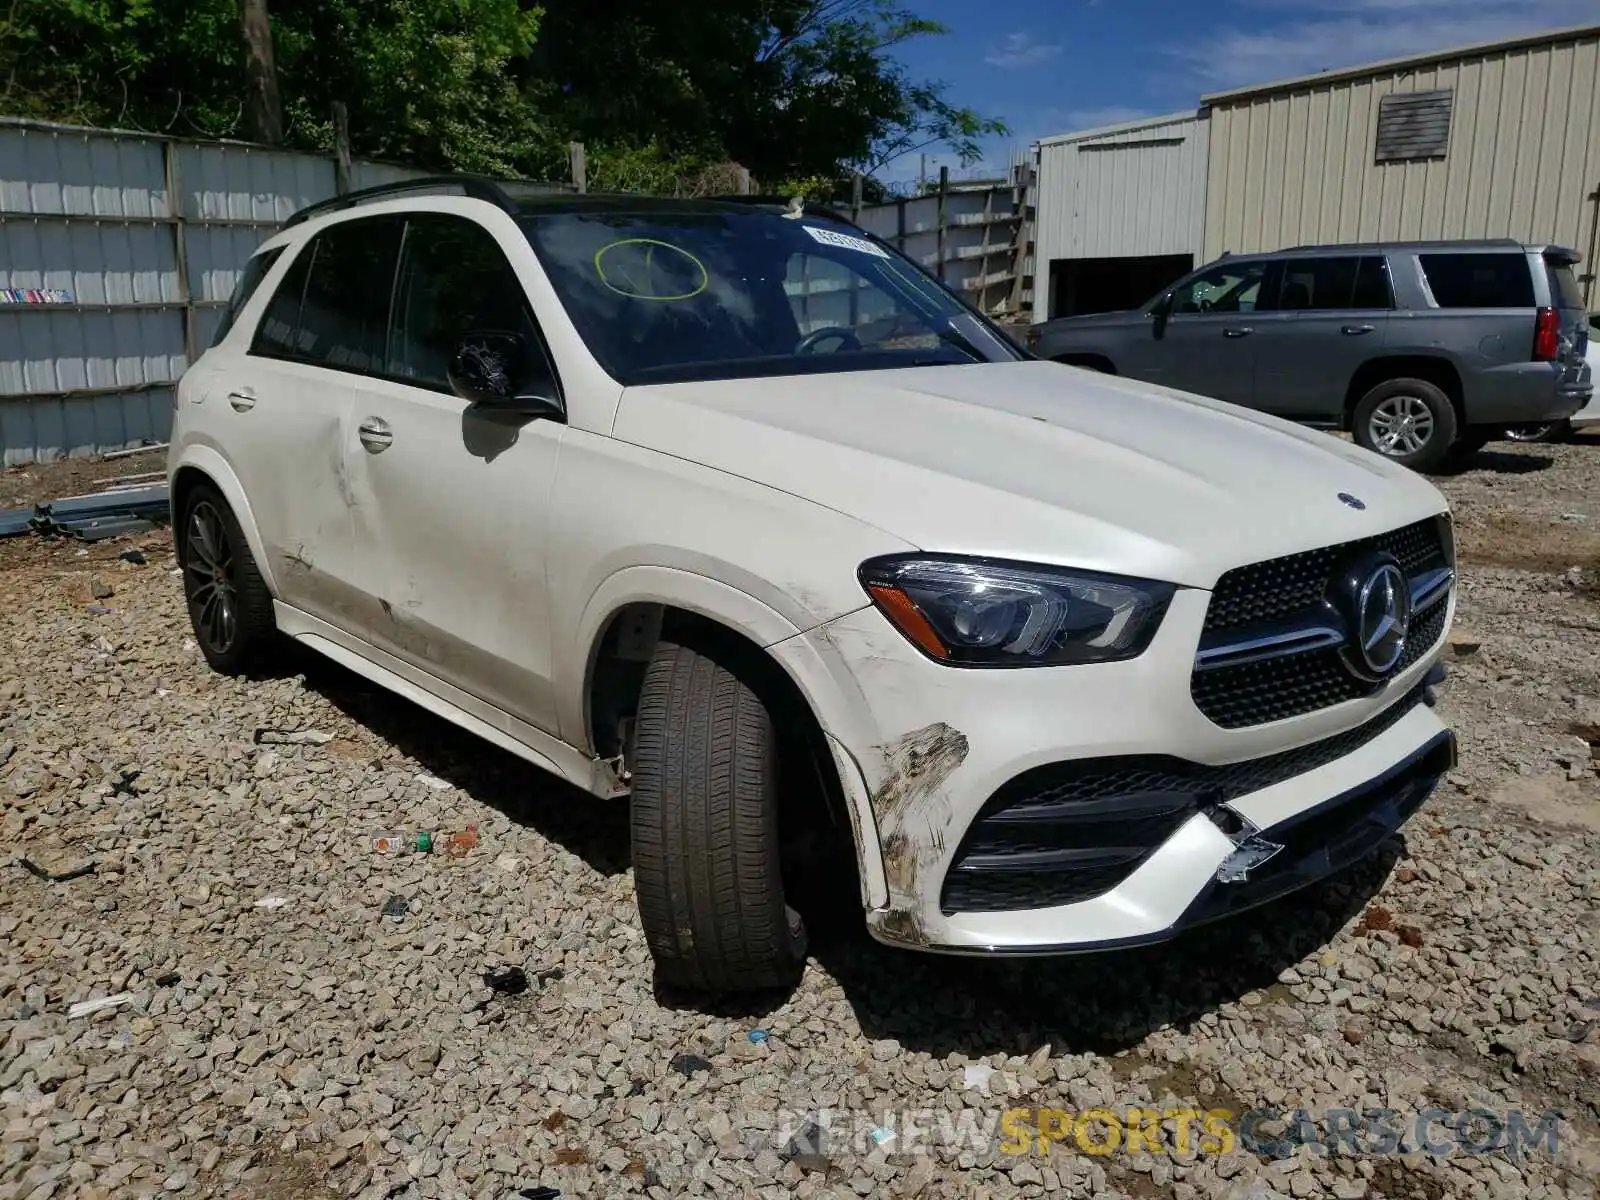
229,604
1409,421
704,817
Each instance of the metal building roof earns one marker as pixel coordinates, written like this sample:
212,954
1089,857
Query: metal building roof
1409,62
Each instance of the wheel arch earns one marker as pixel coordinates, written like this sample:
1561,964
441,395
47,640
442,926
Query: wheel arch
644,603
201,464
1440,372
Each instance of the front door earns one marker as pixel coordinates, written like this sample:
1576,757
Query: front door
451,505
1332,316
1203,339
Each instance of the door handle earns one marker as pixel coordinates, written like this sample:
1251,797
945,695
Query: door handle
1237,331
375,435
1354,330
243,400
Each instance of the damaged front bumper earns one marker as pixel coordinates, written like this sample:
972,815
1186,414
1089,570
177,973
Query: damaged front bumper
1253,867
1081,809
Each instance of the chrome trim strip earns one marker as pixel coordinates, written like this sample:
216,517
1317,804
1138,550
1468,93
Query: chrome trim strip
1427,589
1431,587
1298,641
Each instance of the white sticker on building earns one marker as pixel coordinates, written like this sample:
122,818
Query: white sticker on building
829,238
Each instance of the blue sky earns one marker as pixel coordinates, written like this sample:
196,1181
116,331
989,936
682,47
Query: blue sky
1052,66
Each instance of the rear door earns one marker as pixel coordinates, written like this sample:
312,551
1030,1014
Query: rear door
287,409
1333,316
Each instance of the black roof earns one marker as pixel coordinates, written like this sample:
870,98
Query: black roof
533,199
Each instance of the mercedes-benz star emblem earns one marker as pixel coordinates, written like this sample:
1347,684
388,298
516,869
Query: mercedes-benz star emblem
1382,620
1350,501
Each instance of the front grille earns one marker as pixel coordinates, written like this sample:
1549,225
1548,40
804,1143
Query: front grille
1285,587
1073,831
1272,594
1276,689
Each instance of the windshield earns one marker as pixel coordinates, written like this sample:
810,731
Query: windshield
664,297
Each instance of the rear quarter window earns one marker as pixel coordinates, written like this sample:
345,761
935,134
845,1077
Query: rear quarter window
249,280
1564,286
1478,280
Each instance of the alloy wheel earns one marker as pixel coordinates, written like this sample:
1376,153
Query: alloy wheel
208,572
1400,425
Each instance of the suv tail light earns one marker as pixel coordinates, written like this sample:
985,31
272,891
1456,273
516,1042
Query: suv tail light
1546,335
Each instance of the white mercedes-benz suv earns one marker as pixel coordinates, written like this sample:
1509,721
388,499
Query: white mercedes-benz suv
733,510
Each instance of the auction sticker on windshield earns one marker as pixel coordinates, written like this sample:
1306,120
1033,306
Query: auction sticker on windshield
829,238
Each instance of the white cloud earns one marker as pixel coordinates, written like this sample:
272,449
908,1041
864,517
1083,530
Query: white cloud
1330,34
1020,50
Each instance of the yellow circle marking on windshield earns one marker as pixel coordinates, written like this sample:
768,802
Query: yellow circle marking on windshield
625,272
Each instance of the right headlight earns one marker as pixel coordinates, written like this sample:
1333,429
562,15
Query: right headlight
977,613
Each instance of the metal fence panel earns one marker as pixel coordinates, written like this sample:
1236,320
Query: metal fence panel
55,170
108,281
247,183
92,262
51,427
71,351
217,255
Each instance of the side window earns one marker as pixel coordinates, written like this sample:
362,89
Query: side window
1312,284
1228,288
275,336
332,307
1478,280
1372,284
345,313
455,281
249,280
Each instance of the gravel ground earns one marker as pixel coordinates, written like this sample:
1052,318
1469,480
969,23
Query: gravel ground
287,1039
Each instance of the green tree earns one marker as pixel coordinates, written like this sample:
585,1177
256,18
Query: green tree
661,92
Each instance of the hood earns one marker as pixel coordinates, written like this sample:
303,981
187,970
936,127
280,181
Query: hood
1037,462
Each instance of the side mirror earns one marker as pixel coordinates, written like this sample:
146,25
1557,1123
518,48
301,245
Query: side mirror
1161,312
493,369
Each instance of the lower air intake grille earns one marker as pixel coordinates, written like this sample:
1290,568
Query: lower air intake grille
1072,831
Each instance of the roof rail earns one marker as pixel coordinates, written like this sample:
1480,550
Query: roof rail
475,186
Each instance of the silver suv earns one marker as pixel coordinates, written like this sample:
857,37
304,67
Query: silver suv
1416,348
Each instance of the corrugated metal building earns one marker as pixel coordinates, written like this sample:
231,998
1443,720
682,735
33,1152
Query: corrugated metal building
1499,140
1492,140
1121,213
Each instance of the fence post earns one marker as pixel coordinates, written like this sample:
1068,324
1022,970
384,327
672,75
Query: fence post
855,196
944,192
180,243
580,166
341,148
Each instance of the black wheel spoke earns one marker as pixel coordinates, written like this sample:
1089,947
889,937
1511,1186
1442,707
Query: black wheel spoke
209,579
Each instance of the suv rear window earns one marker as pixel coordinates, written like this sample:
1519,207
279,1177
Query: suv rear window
1478,280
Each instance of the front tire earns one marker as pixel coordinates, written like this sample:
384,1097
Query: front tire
704,816
1408,421
229,604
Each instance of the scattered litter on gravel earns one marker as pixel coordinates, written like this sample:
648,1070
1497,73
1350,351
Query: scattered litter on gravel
243,999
